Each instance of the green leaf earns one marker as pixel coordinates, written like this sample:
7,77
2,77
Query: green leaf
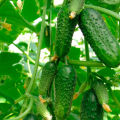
107,72
115,108
9,91
13,20
30,10
81,76
7,58
74,53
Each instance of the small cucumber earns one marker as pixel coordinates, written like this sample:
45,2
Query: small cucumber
43,111
101,91
48,74
90,108
65,82
64,33
30,116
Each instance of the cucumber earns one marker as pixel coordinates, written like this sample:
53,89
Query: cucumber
43,111
90,108
48,74
30,116
101,91
102,94
65,82
64,33
99,37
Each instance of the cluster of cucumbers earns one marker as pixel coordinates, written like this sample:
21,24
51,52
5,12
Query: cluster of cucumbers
106,48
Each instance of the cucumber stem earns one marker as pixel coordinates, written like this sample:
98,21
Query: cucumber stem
28,61
87,58
114,98
86,63
119,31
81,89
28,57
50,20
32,82
39,49
25,113
105,11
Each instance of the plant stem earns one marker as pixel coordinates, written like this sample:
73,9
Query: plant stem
86,63
50,20
104,10
19,99
25,113
119,30
28,61
87,58
25,22
114,98
28,57
39,49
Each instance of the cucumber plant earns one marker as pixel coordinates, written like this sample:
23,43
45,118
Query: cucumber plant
50,96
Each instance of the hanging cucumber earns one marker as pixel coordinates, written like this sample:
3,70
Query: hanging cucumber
99,37
64,33
30,116
101,93
48,74
65,82
90,108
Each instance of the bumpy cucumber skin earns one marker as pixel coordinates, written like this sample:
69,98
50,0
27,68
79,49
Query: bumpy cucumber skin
65,82
99,37
101,91
64,33
30,116
48,74
90,108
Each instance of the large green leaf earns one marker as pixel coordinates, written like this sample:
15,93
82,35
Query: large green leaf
107,72
8,58
7,11
10,16
30,10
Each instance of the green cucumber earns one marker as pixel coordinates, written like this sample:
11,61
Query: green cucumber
43,111
99,37
101,91
48,74
30,116
90,108
65,82
64,33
